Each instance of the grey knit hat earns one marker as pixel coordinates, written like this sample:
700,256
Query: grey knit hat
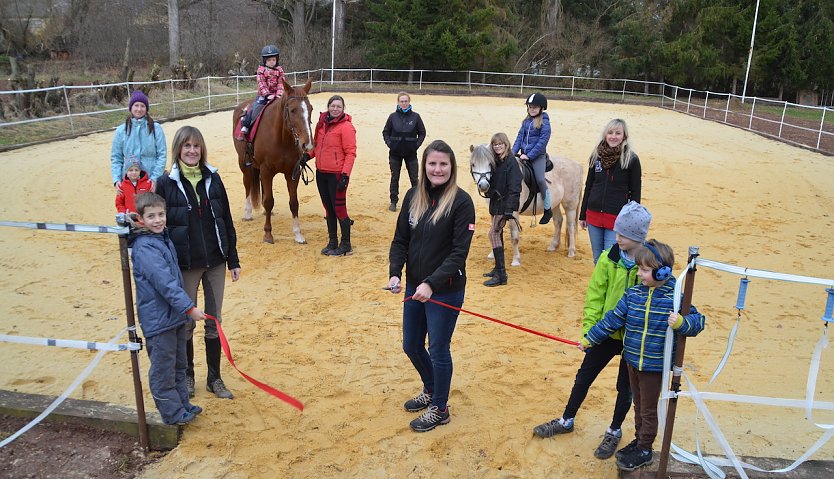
633,222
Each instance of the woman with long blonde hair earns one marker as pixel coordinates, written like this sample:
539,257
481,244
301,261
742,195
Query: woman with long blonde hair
432,238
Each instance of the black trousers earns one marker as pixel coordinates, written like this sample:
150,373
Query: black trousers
596,358
396,164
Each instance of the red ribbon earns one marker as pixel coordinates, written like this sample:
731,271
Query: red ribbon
224,343
522,328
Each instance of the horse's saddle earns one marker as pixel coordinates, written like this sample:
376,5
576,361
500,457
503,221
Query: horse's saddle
253,130
530,180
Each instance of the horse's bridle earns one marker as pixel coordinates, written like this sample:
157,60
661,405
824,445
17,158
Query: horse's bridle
286,115
477,177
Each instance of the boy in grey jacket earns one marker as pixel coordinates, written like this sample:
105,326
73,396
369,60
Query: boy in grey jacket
166,312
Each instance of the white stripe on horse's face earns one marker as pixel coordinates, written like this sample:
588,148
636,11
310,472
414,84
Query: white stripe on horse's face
306,113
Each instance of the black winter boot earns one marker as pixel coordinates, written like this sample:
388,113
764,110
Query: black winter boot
213,383
490,274
344,248
500,277
333,242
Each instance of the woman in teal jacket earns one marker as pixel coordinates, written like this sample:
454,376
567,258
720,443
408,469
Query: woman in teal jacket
138,138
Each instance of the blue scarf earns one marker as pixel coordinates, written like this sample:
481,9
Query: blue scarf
626,260
404,111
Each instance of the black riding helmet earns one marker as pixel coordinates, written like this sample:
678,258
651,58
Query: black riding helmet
537,99
270,51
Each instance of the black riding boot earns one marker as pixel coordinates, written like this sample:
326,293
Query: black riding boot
189,353
500,277
333,242
546,217
344,248
213,382
490,274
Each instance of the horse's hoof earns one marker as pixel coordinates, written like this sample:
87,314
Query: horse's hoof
247,218
268,239
515,263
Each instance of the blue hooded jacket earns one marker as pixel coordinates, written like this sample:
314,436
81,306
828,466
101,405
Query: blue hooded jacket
148,147
161,301
532,141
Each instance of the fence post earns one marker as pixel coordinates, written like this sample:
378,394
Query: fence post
752,110
822,122
237,90
624,89
727,108
782,121
69,112
173,99
675,99
706,100
689,100
469,79
421,80
522,83
572,85
208,91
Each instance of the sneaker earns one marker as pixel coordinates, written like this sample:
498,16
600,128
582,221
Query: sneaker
626,450
609,444
637,457
556,426
194,409
418,403
392,206
219,389
185,418
430,419
189,383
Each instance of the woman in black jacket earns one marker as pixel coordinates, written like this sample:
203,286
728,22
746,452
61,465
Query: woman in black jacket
432,238
200,225
403,134
504,192
614,178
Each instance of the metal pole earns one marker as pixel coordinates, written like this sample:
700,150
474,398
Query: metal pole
69,110
134,355
822,123
677,369
332,41
750,53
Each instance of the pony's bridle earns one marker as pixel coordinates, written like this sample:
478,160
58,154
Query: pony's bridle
477,177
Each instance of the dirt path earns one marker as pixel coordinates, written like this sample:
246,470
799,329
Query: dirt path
322,330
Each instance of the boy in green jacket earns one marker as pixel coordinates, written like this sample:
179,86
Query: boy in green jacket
613,274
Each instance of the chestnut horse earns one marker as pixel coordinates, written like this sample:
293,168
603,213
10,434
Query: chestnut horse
283,135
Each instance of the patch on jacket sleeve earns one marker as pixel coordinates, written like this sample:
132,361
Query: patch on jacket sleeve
471,226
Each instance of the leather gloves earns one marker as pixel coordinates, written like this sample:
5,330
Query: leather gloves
343,183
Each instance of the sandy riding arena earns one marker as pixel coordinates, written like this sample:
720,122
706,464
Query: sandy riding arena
322,330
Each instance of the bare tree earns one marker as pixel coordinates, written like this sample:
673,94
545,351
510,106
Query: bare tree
173,33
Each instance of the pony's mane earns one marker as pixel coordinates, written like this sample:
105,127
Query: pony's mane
482,154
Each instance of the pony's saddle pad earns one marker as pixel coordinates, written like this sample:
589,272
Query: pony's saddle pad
527,173
253,130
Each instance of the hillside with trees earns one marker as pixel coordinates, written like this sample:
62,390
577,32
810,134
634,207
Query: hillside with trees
701,44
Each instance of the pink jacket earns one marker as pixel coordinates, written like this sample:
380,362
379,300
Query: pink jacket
270,81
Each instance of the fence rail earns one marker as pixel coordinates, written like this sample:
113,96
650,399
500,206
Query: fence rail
73,110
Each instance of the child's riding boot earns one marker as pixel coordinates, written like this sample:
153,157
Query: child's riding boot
344,248
547,214
333,242
500,277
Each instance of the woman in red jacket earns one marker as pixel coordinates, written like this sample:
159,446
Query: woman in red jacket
335,152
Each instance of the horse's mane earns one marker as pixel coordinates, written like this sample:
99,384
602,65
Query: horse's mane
482,154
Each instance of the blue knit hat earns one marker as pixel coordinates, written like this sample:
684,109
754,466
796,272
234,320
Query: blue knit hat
633,222
141,98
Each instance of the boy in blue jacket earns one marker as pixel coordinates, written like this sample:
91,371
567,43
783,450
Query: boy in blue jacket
645,311
166,312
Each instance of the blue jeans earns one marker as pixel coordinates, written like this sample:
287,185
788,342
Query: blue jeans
438,322
601,240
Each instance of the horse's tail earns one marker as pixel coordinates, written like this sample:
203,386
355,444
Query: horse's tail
255,188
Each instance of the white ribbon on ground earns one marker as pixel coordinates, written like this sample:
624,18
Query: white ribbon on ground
69,343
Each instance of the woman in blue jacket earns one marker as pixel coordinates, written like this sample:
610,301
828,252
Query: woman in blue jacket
138,139
531,145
